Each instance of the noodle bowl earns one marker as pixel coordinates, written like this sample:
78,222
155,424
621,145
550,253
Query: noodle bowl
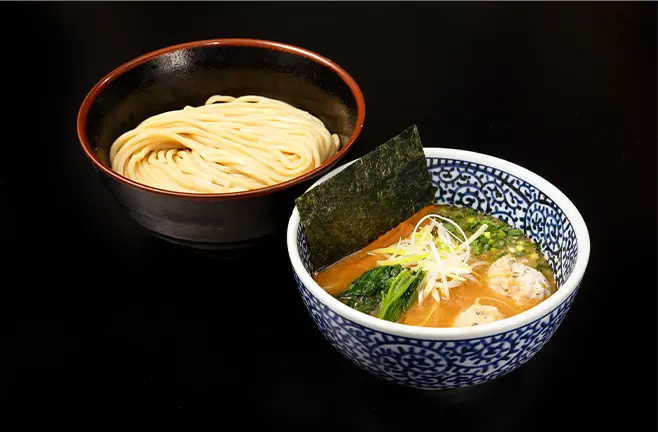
226,145
232,218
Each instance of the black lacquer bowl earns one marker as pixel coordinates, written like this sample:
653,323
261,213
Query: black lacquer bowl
188,74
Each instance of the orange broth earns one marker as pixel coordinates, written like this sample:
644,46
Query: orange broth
337,277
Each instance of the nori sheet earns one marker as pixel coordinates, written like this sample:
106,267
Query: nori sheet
368,198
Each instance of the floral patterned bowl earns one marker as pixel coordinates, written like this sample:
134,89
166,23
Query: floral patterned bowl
442,358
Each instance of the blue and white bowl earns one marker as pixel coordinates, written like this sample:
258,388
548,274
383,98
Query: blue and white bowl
442,358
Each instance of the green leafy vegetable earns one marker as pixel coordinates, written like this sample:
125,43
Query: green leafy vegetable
400,295
389,289
377,192
365,292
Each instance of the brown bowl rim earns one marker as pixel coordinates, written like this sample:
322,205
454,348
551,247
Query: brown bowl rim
243,42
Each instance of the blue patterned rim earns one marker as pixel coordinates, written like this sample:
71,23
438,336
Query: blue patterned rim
541,201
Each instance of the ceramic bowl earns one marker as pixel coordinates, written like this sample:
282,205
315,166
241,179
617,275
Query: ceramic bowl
443,358
188,74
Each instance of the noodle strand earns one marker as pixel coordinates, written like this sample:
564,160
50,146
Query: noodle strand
226,145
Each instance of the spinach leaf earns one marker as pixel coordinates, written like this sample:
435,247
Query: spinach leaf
400,294
365,292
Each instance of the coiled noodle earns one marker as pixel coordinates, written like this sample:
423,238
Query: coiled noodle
226,145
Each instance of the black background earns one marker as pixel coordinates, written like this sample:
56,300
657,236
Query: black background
105,324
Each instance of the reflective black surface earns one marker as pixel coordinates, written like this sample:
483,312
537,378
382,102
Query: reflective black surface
105,324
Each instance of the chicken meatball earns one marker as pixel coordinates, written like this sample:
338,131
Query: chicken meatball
514,279
478,314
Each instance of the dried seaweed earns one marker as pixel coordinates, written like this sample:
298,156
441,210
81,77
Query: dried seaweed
371,196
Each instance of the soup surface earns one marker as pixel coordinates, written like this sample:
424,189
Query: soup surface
469,269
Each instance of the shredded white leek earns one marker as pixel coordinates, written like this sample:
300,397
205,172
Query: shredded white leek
439,252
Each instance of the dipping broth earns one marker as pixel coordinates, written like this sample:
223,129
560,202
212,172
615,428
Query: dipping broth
446,266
